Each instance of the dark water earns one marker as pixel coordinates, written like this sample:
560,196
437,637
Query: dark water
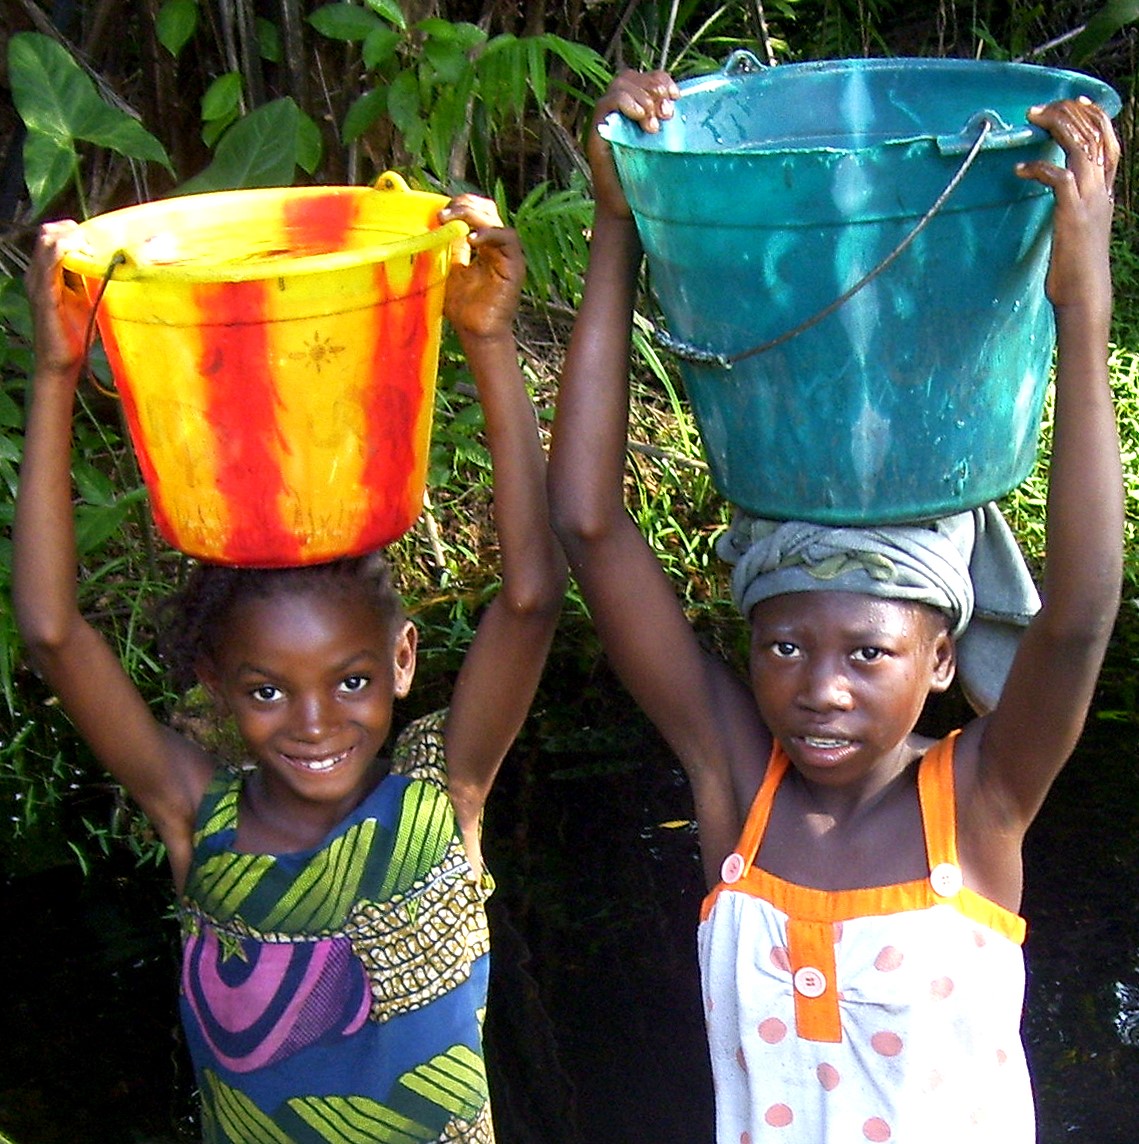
594,1032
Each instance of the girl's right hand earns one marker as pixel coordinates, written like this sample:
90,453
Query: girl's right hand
644,97
60,311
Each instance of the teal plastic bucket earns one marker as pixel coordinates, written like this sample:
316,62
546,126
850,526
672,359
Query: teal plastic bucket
774,192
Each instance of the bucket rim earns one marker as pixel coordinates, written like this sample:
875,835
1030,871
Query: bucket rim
93,255
623,134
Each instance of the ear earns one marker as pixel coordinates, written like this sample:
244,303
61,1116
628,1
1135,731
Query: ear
206,671
944,653
406,642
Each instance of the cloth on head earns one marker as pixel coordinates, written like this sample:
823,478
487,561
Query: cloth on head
967,565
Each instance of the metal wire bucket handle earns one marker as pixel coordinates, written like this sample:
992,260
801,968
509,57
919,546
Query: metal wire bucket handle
984,122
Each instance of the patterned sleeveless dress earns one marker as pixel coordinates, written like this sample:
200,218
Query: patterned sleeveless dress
337,994
889,1014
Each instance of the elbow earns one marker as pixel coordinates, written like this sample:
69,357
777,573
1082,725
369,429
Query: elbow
43,632
50,627
538,599
44,641
576,524
1083,629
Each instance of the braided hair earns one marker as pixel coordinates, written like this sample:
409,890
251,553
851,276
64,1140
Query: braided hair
191,623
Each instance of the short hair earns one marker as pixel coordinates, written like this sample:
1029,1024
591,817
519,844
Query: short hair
191,622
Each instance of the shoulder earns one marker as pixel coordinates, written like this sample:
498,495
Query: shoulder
420,752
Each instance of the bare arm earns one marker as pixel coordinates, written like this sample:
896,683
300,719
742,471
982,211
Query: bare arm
703,710
1034,728
503,665
163,772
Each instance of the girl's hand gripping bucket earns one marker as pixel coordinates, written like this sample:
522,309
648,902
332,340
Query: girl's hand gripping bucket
276,353
774,192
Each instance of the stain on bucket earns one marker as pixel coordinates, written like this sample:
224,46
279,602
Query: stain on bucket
774,191
276,353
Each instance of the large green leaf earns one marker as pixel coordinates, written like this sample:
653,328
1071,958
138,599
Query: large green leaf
259,150
446,122
448,61
11,415
176,23
464,36
379,46
403,101
390,11
49,166
310,144
56,98
223,96
1113,16
94,524
363,113
344,21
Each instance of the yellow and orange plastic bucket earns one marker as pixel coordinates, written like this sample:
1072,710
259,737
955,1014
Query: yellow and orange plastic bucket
276,352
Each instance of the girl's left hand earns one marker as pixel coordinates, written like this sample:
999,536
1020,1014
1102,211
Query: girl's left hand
483,293
1078,272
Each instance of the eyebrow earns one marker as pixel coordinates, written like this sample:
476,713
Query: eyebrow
360,658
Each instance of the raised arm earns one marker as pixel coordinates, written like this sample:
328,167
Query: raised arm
1034,728
162,772
701,708
501,670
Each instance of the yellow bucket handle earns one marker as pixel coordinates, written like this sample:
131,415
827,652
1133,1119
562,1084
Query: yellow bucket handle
390,181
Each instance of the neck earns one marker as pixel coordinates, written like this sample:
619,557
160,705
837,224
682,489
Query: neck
840,804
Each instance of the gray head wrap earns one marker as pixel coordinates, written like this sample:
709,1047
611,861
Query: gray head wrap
967,565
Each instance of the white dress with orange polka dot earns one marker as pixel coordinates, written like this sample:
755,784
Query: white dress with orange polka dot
884,1014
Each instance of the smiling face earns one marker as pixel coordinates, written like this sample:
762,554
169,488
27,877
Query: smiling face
309,678
840,678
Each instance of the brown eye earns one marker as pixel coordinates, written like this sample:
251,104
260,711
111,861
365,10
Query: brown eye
870,654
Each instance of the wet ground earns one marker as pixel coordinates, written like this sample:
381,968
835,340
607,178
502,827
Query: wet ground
594,1034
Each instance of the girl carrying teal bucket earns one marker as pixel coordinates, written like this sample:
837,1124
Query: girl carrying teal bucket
332,898
860,947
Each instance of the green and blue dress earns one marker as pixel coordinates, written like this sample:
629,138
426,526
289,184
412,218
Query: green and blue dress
337,994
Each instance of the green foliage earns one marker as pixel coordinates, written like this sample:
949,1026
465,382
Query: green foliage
175,24
60,107
447,87
1109,20
261,150
553,227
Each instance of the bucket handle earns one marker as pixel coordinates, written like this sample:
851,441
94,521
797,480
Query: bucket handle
1002,136
743,62
119,258
740,62
982,123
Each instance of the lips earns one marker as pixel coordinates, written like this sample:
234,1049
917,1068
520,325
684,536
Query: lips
826,751
316,765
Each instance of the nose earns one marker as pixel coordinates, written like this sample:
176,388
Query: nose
825,687
314,717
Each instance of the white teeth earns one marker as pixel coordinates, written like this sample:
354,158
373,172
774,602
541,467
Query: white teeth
824,744
319,765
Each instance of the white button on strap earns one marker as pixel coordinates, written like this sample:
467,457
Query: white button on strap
946,880
732,869
809,981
